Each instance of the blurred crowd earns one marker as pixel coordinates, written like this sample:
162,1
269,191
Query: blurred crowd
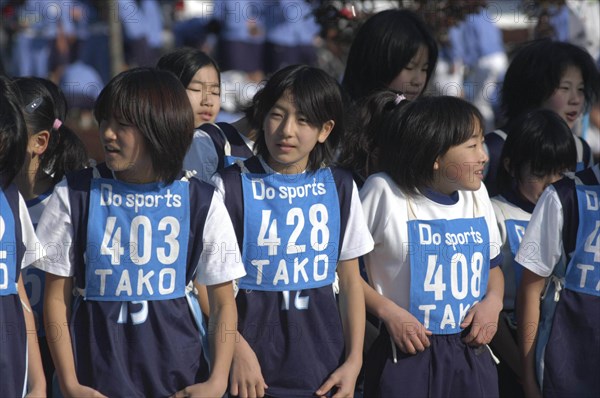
80,44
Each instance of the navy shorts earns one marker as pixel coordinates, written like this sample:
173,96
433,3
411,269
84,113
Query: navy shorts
448,368
572,359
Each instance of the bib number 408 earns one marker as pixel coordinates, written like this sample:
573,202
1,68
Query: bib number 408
459,276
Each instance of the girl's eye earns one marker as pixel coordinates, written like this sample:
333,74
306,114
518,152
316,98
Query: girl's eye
195,90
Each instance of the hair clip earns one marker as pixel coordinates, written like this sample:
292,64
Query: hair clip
33,105
399,98
57,123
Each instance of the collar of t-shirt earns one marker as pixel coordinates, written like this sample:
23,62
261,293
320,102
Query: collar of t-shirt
516,199
441,198
268,169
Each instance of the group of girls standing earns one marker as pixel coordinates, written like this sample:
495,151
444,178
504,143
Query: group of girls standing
259,227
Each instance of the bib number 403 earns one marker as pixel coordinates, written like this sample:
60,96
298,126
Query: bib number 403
140,253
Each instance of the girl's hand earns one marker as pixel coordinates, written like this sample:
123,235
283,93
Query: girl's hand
407,332
246,379
483,319
208,389
344,379
79,391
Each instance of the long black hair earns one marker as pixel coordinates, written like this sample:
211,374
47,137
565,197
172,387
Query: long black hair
13,133
44,107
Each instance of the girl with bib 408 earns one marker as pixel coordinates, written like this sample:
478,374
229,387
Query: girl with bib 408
436,284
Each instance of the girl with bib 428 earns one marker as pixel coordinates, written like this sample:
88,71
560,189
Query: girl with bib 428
436,284
299,225
129,238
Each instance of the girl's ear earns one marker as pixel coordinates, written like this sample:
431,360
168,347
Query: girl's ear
325,131
39,142
436,164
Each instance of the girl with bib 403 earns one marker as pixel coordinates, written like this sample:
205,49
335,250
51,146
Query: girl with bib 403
135,234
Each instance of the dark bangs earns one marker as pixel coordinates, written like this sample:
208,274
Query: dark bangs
383,46
316,96
535,72
156,103
539,141
421,131
185,62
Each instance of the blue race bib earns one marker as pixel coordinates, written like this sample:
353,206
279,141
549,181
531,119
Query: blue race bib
583,271
137,241
515,229
8,248
449,268
291,230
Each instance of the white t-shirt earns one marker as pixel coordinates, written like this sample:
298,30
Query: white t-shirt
33,248
542,247
386,213
202,156
215,266
506,210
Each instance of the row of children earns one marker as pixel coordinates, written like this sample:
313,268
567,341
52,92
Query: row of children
427,230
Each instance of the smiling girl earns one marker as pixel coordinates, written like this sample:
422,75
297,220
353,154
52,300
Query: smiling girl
434,278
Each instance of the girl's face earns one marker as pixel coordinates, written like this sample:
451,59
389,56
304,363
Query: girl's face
531,186
125,151
204,93
461,168
568,98
411,80
290,138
